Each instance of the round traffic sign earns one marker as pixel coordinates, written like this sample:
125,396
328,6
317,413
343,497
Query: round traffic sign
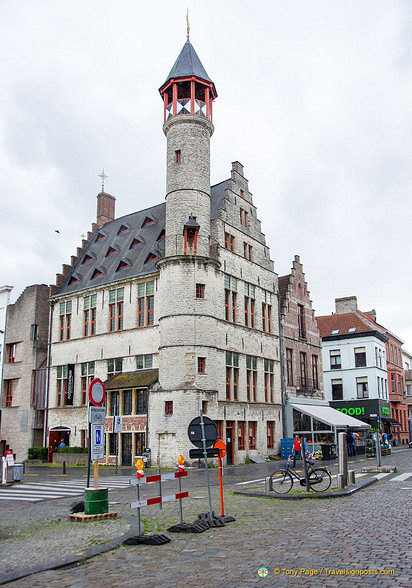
221,446
194,432
97,392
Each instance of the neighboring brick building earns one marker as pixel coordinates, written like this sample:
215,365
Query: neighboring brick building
407,364
303,376
175,307
24,371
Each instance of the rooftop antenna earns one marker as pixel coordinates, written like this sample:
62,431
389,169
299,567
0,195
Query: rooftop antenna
103,176
187,24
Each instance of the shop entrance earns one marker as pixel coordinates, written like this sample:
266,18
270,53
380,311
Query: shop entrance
229,442
126,449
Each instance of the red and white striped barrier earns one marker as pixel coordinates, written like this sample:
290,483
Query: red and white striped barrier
159,500
158,478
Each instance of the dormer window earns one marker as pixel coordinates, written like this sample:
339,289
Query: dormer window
162,235
100,236
135,243
151,257
123,229
97,272
87,258
73,280
110,251
122,265
148,221
190,232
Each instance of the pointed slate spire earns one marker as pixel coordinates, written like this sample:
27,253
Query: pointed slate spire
188,64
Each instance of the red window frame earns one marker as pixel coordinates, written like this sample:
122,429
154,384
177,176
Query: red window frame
264,316
252,434
112,316
254,385
228,382
270,434
11,353
9,393
229,242
178,156
235,383
200,290
266,386
233,307
241,425
248,378
243,217
168,407
201,365
204,406
150,310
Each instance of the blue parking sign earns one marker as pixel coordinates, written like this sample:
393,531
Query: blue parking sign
98,437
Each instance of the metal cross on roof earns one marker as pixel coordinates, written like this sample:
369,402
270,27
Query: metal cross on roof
103,176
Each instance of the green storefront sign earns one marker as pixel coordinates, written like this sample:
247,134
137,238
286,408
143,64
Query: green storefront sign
353,410
386,410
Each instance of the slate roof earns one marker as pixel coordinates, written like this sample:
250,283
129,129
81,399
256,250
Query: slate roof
188,64
126,247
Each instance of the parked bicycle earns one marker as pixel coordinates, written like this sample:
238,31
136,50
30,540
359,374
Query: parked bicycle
319,478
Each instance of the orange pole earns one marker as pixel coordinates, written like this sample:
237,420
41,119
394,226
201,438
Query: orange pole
222,508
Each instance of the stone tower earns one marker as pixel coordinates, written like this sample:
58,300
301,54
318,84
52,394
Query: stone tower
189,281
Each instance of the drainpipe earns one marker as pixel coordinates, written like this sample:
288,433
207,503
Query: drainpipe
282,368
46,400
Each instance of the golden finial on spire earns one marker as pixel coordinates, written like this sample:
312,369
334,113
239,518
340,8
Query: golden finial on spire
187,23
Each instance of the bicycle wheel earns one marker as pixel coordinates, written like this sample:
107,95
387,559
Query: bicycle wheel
319,480
281,484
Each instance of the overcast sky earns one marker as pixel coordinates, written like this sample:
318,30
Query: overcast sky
314,99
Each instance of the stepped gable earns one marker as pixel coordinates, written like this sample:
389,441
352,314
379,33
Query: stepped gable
126,247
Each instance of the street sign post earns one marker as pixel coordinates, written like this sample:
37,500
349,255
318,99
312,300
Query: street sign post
97,442
97,415
202,432
97,392
117,426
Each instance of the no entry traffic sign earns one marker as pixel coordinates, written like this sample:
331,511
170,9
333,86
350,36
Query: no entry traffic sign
194,432
97,392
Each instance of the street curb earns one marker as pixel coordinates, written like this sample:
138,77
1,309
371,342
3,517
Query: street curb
73,559
348,492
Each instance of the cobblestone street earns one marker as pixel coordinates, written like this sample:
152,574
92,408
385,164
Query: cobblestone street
314,539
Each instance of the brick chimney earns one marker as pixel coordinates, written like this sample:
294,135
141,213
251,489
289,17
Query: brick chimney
105,208
344,305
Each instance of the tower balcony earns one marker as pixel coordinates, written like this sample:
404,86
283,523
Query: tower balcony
184,106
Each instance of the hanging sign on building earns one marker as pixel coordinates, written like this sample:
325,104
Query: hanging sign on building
70,384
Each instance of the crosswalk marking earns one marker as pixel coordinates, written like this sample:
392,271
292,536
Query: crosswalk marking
381,475
35,492
401,477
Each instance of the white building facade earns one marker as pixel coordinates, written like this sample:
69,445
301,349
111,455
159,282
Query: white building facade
174,307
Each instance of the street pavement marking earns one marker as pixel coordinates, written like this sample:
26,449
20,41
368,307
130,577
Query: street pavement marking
35,492
401,477
382,475
249,482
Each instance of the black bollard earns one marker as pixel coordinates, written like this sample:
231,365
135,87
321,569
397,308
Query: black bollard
64,467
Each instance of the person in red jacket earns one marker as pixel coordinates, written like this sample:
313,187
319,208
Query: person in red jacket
297,448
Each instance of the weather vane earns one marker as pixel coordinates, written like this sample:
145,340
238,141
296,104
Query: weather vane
187,23
103,176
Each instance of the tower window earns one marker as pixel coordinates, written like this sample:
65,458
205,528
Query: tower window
178,156
200,290
201,365
168,407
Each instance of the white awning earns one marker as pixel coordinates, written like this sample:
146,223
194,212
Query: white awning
330,416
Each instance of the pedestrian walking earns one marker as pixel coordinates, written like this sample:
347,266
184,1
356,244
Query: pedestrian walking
297,448
350,443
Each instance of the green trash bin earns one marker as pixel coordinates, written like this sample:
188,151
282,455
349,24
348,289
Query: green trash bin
96,501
